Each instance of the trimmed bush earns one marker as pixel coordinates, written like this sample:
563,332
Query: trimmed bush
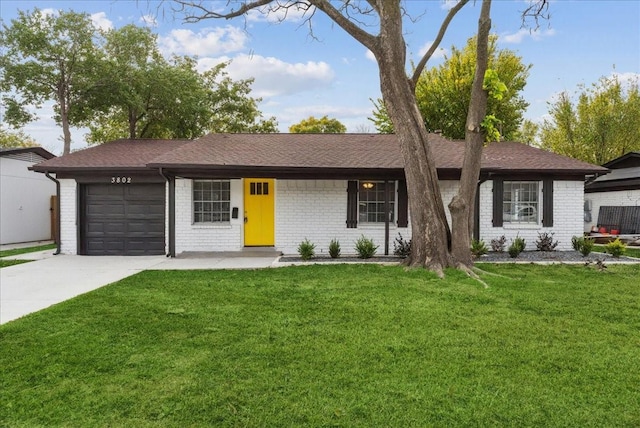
401,248
615,248
545,242
307,250
478,248
365,247
582,244
517,246
334,249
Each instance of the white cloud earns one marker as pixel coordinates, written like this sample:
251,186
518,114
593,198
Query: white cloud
149,20
101,21
206,42
274,77
438,54
521,34
448,4
626,79
370,56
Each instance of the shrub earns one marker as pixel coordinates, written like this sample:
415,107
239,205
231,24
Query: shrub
587,246
582,244
365,247
517,246
334,249
615,248
306,249
545,242
498,244
401,248
478,248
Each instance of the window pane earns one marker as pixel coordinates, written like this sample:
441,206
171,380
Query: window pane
520,202
211,201
371,201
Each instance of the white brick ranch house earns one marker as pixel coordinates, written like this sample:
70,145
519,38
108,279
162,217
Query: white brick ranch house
226,192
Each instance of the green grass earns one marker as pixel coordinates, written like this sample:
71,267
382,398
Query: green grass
7,263
16,251
629,251
339,345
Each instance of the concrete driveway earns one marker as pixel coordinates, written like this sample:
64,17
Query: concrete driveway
30,287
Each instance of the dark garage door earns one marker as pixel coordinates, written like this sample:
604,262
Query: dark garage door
125,219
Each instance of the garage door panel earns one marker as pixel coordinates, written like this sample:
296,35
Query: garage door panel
125,219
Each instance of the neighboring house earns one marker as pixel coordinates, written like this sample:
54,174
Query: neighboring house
612,201
25,196
225,192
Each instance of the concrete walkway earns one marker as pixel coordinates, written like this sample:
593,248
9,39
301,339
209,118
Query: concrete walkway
30,287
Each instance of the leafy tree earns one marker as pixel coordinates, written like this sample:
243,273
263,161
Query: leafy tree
324,125
17,139
434,245
148,96
528,133
444,92
602,125
48,57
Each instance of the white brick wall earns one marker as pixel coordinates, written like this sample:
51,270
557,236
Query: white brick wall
68,216
206,237
567,216
621,198
317,210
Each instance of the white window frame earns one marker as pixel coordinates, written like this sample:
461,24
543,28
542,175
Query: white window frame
392,201
521,201
212,202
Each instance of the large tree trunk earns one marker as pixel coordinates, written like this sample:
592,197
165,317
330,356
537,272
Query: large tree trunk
430,231
63,103
462,204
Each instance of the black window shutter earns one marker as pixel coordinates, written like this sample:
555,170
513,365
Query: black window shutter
498,194
547,202
403,204
352,204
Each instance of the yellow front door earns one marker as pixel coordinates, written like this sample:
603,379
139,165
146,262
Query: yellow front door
258,212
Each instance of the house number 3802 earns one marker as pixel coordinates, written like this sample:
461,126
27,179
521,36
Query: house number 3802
120,180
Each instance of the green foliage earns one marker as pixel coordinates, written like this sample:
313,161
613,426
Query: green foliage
602,125
527,133
48,57
365,247
444,92
583,244
143,88
545,242
306,249
401,247
517,246
478,248
616,248
312,125
334,248
9,139
498,244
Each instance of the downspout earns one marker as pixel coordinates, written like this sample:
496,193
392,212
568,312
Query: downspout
386,217
58,243
172,213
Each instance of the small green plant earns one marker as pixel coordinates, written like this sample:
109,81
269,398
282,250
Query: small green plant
306,249
498,244
478,248
365,247
545,242
615,248
401,248
517,246
334,249
582,244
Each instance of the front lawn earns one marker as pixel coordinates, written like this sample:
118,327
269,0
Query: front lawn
7,263
25,250
339,345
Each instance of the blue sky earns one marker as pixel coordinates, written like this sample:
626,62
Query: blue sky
300,76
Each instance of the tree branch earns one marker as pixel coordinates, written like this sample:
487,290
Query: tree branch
208,14
443,29
367,39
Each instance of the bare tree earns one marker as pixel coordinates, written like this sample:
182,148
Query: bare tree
433,245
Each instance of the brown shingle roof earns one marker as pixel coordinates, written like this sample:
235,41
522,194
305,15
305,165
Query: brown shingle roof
306,151
119,154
